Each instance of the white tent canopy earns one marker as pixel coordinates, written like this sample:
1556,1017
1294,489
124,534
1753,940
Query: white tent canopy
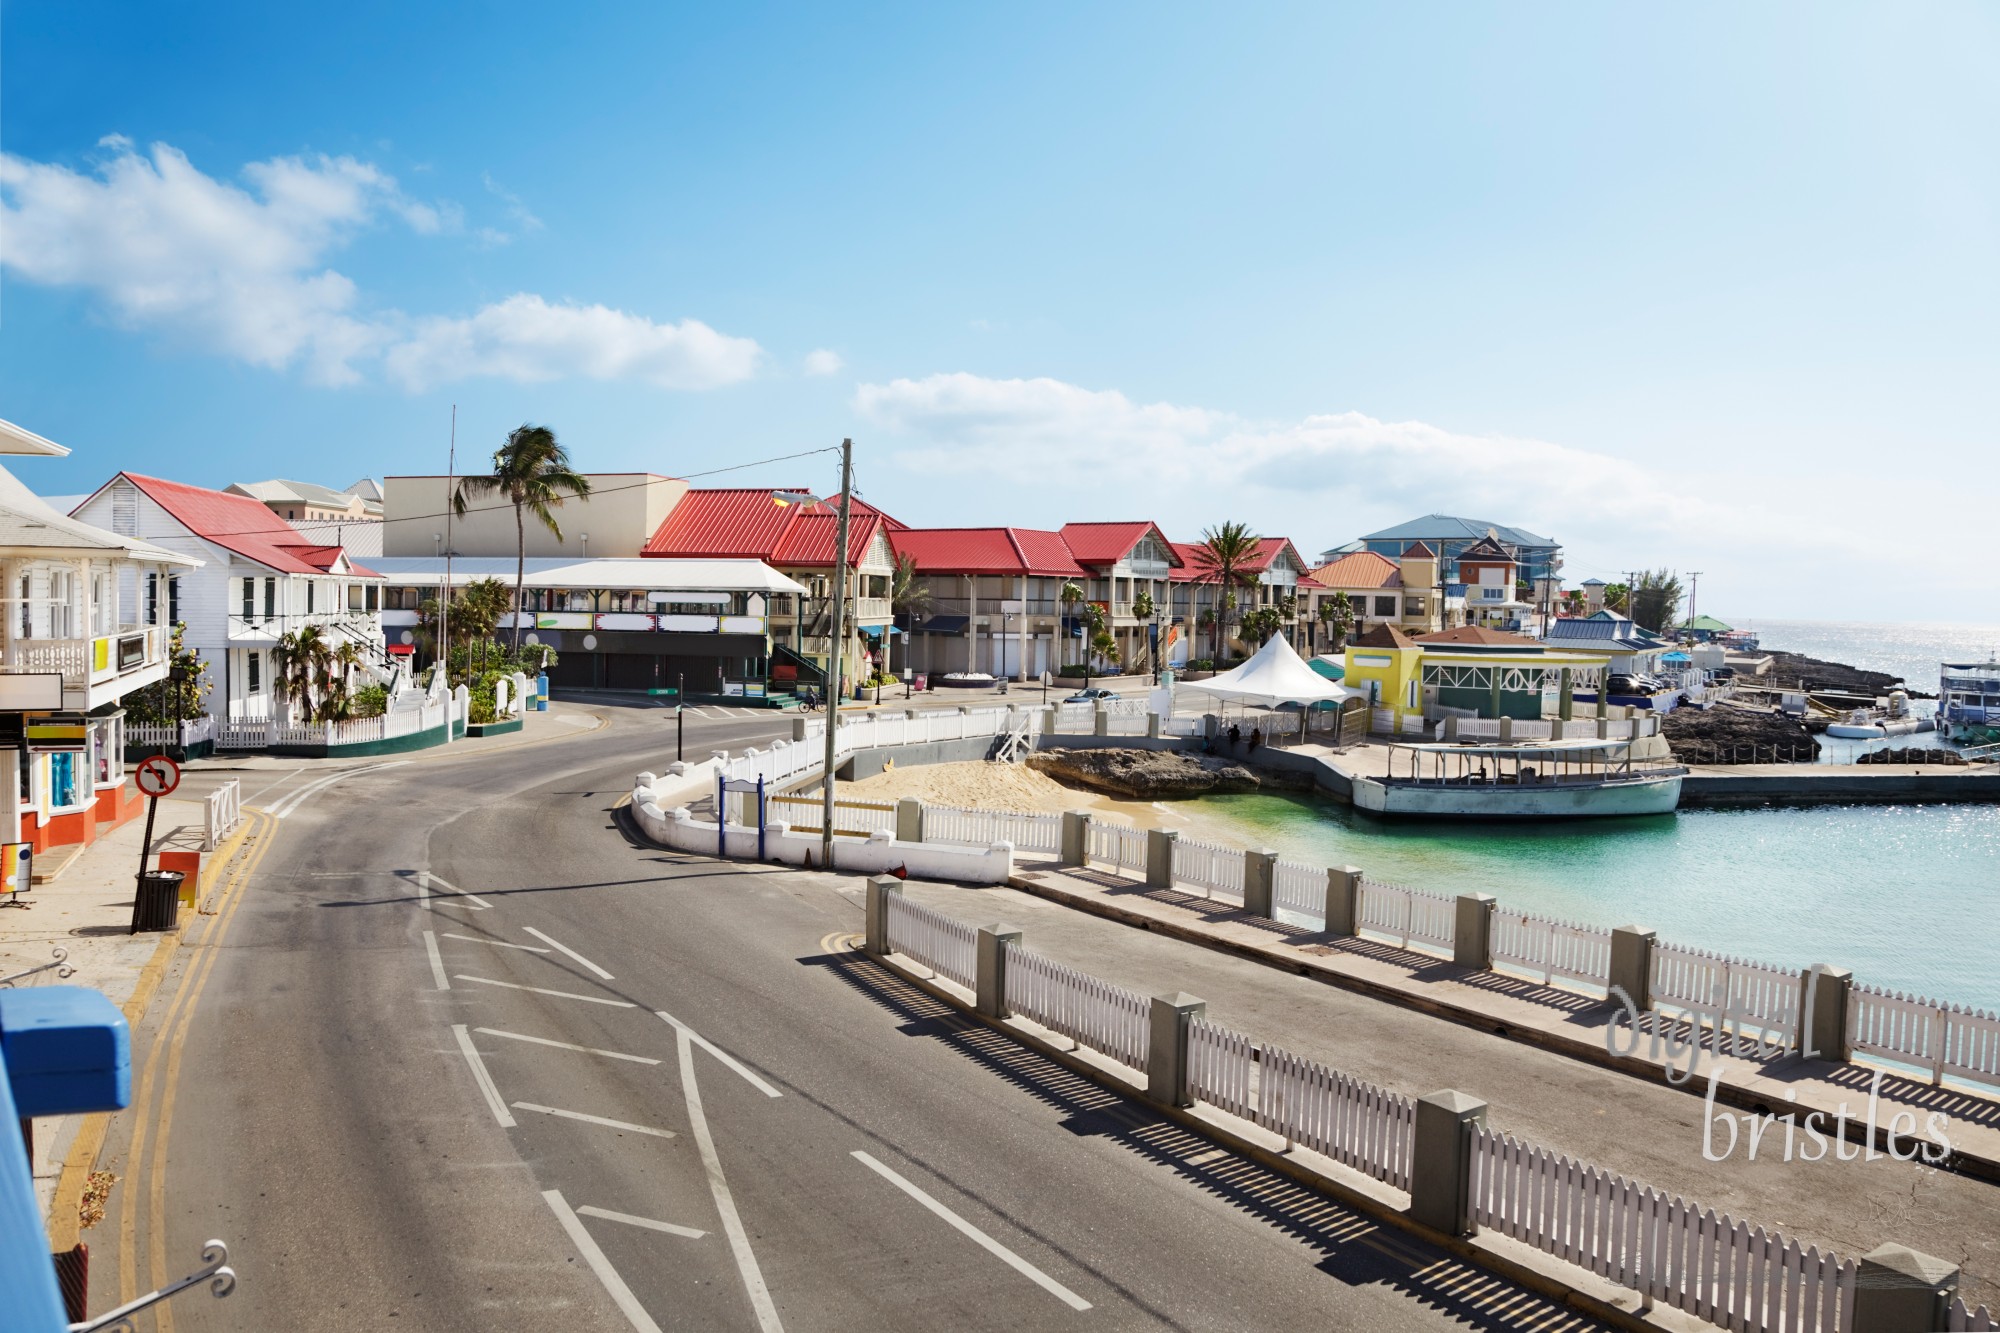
1275,675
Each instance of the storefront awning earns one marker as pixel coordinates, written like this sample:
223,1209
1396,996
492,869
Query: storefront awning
877,631
942,625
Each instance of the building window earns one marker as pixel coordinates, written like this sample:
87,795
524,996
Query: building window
1413,606
173,599
1385,607
152,599
372,603
249,599
251,666
311,584
270,599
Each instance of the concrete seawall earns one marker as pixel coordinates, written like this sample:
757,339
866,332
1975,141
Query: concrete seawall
1826,784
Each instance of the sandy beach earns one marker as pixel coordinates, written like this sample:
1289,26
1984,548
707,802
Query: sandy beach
981,784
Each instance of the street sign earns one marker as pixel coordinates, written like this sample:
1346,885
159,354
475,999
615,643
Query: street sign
157,776
44,731
31,691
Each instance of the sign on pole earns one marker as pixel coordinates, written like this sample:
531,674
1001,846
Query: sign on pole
157,776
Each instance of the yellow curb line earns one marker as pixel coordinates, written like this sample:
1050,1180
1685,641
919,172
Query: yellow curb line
64,1220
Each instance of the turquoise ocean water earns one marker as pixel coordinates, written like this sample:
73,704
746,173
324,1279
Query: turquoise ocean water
1906,896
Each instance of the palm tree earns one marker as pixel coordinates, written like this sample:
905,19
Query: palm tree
1262,623
909,598
1337,614
1105,647
1143,609
301,667
1656,600
532,471
1070,594
1223,558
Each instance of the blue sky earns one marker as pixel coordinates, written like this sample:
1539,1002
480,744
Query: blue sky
1706,287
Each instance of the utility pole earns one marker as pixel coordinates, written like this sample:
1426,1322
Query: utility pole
444,600
1694,586
833,648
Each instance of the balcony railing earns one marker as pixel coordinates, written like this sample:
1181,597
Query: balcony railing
86,662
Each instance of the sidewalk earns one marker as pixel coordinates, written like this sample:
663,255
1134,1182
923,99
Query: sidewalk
1535,1053
87,910
561,721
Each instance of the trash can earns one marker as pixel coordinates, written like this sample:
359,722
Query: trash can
542,693
158,904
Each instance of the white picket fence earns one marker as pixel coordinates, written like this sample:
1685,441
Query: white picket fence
1754,996
1299,888
1108,1019
1962,1318
1117,845
180,734
983,828
1209,867
402,720
942,943
1552,948
1942,1038
222,811
1674,1252
1408,914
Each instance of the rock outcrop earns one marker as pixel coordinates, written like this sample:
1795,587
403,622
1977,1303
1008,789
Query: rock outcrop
1912,754
1147,775
1796,670
1726,734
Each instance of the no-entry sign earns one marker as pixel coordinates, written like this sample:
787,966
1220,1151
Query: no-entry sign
157,776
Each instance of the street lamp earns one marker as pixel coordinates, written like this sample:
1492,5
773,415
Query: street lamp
834,635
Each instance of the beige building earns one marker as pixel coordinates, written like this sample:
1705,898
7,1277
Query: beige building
615,521
304,501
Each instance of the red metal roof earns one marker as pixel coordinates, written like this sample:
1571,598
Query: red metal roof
746,523
986,551
1108,543
243,525
1268,549
1359,569
1194,566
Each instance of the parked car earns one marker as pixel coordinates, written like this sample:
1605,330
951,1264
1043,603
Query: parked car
1090,696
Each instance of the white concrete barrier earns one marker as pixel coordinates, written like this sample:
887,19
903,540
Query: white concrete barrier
680,830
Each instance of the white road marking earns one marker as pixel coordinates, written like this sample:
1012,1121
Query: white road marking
568,1046
482,1078
560,994
596,1120
437,963
725,1204
478,904
992,1246
476,901
290,803
498,944
257,795
720,1054
621,1294
424,889
589,1211
558,944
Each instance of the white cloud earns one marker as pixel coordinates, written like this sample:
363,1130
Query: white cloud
242,270
527,339
524,221
824,361
1041,452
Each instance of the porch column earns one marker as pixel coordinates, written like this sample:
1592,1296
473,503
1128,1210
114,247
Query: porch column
1021,667
971,622
1494,673
1566,703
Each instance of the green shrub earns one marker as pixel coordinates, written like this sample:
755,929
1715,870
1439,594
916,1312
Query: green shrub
368,701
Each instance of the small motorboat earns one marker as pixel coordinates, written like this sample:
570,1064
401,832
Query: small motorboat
1895,719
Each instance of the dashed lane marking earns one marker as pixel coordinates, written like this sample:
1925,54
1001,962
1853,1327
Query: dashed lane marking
554,943
646,1222
437,962
720,1054
498,944
481,1077
620,1294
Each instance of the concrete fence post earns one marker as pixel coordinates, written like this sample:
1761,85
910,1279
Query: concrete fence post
1441,1161
1100,721
909,820
1506,730
1049,721
1824,994
799,728
1451,729
1166,1049
1472,931
1900,1290
1211,726
989,969
1075,838
1152,726
1343,900
1603,727
1160,857
1632,962
1259,872
877,930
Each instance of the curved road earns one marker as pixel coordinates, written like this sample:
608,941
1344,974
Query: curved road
457,1054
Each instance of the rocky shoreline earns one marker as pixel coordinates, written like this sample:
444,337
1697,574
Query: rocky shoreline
1150,775
1727,734
1793,671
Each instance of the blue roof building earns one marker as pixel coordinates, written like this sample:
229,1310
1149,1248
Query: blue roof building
1539,557
1630,647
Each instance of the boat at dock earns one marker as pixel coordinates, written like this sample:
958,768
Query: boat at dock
1570,779
1969,701
1891,719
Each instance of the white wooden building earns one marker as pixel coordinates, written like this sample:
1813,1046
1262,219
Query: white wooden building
259,579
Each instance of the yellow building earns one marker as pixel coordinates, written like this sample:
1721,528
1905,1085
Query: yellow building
1469,671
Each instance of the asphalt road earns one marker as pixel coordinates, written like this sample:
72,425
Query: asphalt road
456,1053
